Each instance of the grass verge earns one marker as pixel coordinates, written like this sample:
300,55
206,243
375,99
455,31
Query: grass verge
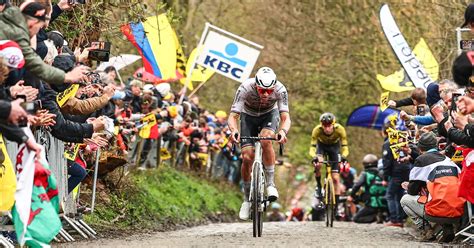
164,199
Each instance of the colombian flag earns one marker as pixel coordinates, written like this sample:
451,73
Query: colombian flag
158,45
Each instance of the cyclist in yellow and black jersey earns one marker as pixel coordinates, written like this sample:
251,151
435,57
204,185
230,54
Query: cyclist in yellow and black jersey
328,138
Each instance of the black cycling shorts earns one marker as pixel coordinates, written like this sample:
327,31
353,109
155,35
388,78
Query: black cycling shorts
332,152
252,125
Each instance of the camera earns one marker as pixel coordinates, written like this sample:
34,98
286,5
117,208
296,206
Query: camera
100,51
420,110
30,107
466,45
454,99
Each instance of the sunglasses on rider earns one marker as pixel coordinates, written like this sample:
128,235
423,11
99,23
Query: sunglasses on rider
262,91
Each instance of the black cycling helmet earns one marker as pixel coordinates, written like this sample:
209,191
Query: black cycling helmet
327,119
370,160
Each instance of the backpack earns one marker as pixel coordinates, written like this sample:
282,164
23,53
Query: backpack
375,189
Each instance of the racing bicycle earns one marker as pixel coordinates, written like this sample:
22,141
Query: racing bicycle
329,194
257,185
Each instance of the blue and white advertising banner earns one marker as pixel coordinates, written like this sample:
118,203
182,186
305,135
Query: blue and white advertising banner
228,54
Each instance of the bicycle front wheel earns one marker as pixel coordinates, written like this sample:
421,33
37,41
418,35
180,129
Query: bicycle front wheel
255,202
329,202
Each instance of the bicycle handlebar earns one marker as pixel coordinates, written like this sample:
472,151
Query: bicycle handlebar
258,138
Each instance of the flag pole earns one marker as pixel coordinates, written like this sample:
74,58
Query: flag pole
197,88
193,65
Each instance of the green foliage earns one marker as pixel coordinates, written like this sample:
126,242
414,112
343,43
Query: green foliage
161,195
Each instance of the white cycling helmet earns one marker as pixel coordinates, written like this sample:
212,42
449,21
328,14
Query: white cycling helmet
265,78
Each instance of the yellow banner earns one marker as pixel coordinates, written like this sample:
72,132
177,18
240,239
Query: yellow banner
164,154
149,121
7,179
180,57
457,157
399,80
384,101
200,73
62,97
71,154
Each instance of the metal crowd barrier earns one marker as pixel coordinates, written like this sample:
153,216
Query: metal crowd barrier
54,149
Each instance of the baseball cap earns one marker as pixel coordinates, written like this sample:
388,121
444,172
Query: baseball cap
432,94
468,15
34,9
57,38
163,89
427,141
11,53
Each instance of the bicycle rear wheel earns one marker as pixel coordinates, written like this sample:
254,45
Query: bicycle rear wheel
255,202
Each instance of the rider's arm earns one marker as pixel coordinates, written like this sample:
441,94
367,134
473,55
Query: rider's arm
314,142
285,122
344,143
232,121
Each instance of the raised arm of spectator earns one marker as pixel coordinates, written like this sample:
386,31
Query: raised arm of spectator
401,103
460,138
76,106
358,184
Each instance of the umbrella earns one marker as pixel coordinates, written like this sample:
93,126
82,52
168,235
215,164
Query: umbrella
119,62
370,116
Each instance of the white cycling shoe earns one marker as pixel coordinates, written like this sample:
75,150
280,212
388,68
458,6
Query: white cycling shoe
244,213
272,193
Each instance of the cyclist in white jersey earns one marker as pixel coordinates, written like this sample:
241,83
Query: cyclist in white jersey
260,103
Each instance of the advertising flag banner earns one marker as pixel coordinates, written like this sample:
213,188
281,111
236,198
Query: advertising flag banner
228,54
399,80
414,69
